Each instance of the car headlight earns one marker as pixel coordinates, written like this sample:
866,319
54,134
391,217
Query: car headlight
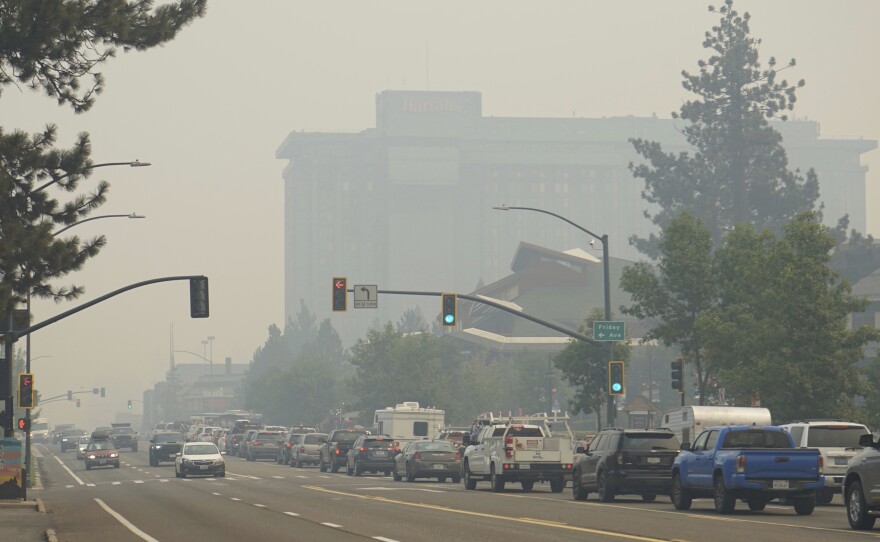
114,455
91,456
218,461
158,447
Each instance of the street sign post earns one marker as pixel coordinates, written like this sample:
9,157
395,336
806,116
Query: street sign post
366,296
609,331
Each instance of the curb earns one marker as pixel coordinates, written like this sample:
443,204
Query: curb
50,535
41,508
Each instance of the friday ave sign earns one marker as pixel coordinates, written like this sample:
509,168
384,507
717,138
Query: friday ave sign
609,331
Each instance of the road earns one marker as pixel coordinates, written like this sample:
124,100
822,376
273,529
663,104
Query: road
264,501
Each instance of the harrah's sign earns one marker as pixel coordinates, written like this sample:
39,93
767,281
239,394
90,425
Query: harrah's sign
444,105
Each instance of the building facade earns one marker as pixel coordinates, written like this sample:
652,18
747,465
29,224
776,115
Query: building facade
408,205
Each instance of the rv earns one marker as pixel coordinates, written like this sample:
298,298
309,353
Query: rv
408,421
689,421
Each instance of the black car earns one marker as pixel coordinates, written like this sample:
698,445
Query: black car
371,453
626,461
69,438
164,446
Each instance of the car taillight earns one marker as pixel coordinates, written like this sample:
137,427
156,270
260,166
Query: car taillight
458,456
741,463
508,447
417,456
289,445
362,449
302,448
256,443
821,465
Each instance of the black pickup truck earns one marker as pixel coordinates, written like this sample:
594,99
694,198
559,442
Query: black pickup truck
334,452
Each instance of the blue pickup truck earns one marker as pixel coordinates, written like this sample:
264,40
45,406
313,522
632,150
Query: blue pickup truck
748,462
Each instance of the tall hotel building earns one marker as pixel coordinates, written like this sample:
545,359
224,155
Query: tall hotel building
407,205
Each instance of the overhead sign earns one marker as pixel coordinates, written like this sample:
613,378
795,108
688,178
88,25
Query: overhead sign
609,331
366,296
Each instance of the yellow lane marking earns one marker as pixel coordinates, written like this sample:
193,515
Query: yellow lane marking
491,516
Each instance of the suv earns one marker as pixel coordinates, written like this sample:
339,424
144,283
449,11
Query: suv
837,442
333,452
286,450
307,449
69,438
263,444
626,461
862,477
371,453
164,446
124,437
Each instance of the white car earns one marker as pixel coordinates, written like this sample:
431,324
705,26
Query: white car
81,446
199,458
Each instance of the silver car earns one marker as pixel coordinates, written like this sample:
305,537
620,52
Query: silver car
307,449
428,459
199,458
81,446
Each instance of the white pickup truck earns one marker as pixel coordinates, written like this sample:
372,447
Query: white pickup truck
516,453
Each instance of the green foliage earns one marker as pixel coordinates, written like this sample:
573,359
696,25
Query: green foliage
870,411
678,294
585,367
780,328
738,171
53,45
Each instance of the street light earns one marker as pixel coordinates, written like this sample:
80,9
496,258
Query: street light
65,228
605,271
136,163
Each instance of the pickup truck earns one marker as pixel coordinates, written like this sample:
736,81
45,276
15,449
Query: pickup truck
749,462
334,452
516,453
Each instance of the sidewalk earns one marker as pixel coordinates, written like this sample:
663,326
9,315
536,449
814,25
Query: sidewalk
26,521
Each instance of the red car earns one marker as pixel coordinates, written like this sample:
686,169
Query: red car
101,453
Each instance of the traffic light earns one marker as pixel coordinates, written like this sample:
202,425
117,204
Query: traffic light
129,404
77,403
102,392
340,294
69,395
449,303
677,374
615,378
198,297
24,424
25,390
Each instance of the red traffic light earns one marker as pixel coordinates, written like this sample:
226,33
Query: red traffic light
24,424
340,294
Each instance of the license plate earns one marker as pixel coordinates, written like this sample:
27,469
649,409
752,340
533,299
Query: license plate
780,484
439,467
653,460
102,462
841,460
526,467
380,454
203,467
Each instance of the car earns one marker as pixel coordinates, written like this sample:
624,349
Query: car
245,440
371,453
69,438
263,444
81,446
101,452
199,458
626,461
164,446
124,437
307,448
332,454
235,436
437,458
837,441
286,446
205,433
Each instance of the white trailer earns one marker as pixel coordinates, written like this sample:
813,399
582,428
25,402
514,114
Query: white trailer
689,421
408,421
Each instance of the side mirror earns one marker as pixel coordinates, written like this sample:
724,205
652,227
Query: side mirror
222,453
866,441
580,450
685,446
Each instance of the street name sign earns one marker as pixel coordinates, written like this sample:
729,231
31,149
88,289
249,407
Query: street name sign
609,331
366,296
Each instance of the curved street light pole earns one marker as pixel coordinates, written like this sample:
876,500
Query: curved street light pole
606,280
136,163
65,228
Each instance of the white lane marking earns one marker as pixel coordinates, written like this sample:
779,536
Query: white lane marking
322,476
382,488
90,485
216,494
163,480
294,514
332,525
234,499
244,475
139,481
117,483
70,472
127,524
278,477
260,505
383,539
306,477
69,486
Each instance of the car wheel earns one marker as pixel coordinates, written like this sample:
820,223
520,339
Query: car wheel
756,504
857,508
557,485
182,472
578,492
824,497
469,483
681,498
321,466
805,506
528,485
456,479
298,464
441,479
395,476
333,466
496,481
176,472
222,474
724,500
116,465
605,494
357,469
649,498
410,475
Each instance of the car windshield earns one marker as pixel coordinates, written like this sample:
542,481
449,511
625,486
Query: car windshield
378,444
314,439
756,438
835,436
201,449
348,436
101,445
268,436
169,437
437,446
643,442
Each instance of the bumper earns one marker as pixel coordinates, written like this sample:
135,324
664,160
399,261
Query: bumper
432,469
93,463
534,471
264,452
307,457
658,483
777,487
375,464
194,470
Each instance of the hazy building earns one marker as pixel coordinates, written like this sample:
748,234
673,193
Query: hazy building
407,205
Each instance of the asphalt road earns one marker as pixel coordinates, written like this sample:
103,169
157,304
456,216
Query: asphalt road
264,501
